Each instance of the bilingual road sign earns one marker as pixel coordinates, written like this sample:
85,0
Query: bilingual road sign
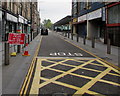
16,38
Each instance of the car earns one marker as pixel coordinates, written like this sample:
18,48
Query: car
44,31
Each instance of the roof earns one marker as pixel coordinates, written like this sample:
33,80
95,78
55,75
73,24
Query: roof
63,21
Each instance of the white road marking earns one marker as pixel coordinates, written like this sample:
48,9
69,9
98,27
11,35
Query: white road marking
65,54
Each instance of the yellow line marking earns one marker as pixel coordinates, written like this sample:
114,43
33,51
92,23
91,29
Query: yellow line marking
109,82
92,82
61,83
87,77
62,63
35,83
98,71
107,63
110,67
53,64
61,75
90,63
29,74
94,93
56,70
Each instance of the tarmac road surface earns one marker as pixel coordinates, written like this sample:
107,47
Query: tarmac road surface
62,69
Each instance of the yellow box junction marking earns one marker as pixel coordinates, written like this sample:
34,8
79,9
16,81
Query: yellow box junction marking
36,86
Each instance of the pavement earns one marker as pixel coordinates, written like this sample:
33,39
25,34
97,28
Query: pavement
100,49
63,69
14,74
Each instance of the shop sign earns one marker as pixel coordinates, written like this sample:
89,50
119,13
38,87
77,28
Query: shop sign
94,14
16,38
11,18
103,14
26,22
21,19
82,18
74,20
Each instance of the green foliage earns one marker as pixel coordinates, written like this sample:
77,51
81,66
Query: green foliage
47,23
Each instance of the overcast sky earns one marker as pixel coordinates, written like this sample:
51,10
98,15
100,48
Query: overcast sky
54,9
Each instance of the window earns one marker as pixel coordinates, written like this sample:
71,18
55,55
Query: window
114,14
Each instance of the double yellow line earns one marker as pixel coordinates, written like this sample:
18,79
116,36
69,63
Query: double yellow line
26,82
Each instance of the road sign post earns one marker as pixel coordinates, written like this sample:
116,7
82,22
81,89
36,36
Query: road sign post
6,48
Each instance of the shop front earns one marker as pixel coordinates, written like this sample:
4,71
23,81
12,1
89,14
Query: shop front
74,26
82,26
113,23
96,24
11,27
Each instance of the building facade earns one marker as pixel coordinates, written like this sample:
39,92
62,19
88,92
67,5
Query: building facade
90,19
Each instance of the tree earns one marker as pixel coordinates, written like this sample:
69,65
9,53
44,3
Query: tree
47,23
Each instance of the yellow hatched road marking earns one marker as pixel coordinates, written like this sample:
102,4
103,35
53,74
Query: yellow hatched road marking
92,82
71,73
87,77
90,63
62,63
56,63
61,83
61,75
83,63
94,93
109,66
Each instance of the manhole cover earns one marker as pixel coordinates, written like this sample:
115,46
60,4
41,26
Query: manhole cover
59,94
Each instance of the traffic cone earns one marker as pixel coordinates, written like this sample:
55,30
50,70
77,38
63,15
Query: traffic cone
26,53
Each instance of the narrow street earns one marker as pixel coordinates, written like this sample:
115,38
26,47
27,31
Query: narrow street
61,68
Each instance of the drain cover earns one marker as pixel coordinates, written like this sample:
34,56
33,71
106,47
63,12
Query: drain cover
59,94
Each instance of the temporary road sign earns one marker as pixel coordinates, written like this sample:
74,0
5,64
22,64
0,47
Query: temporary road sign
16,38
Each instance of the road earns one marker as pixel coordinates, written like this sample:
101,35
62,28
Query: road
63,69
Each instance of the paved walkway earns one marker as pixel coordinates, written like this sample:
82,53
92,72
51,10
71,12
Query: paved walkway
14,74
100,49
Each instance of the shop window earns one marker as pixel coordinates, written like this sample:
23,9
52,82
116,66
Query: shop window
114,14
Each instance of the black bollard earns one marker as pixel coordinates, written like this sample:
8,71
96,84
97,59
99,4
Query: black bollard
108,47
93,42
84,40
77,38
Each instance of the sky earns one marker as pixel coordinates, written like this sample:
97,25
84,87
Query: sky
54,9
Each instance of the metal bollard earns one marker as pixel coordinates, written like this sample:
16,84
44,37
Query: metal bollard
18,48
108,47
68,34
77,37
72,36
93,42
28,39
84,40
